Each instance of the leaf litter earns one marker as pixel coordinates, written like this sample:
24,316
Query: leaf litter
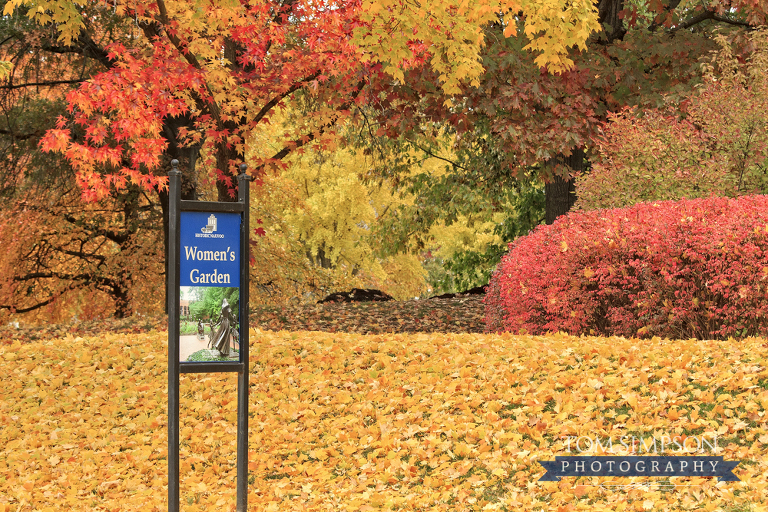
342,421
457,315
462,314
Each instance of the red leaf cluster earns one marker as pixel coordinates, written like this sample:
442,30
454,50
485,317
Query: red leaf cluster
679,269
193,80
121,111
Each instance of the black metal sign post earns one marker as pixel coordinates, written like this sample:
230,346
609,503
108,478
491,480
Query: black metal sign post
215,255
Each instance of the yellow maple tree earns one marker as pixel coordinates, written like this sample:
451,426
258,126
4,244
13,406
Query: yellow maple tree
318,214
450,31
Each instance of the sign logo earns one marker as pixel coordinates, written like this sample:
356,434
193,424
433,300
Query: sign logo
211,227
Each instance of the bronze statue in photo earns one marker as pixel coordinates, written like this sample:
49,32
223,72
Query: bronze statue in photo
221,341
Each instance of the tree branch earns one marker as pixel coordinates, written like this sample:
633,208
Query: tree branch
81,281
85,278
277,99
117,237
312,136
82,255
709,15
51,83
39,305
430,153
15,136
86,47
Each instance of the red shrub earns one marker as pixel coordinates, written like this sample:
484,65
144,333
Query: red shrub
678,269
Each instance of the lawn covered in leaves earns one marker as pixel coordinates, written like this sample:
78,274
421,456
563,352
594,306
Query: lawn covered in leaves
354,422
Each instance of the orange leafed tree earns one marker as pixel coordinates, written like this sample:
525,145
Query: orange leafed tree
63,257
196,79
205,74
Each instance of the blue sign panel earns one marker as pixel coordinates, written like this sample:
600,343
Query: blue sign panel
210,249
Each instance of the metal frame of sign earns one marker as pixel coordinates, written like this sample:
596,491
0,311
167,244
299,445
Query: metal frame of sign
175,367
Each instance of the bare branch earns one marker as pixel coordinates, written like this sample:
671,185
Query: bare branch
277,99
51,83
709,15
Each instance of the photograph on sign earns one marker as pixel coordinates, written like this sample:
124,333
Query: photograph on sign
208,324
209,293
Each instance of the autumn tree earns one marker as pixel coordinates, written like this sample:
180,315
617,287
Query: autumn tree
62,256
193,79
206,73
543,122
318,219
712,142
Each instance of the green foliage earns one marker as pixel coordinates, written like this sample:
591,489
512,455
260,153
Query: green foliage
25,170
472,267
651,156
463,208
187,327
209,303
450,187
205,355
439,279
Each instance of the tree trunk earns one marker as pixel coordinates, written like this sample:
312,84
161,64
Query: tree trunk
320,259
610,18
187,157
121,295
560,193
226,154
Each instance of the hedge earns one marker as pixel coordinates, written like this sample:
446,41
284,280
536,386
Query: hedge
677,269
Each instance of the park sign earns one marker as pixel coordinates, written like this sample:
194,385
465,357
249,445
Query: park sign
207,264
210,249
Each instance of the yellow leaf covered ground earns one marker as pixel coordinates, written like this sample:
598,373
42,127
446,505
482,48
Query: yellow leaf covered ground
352,422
